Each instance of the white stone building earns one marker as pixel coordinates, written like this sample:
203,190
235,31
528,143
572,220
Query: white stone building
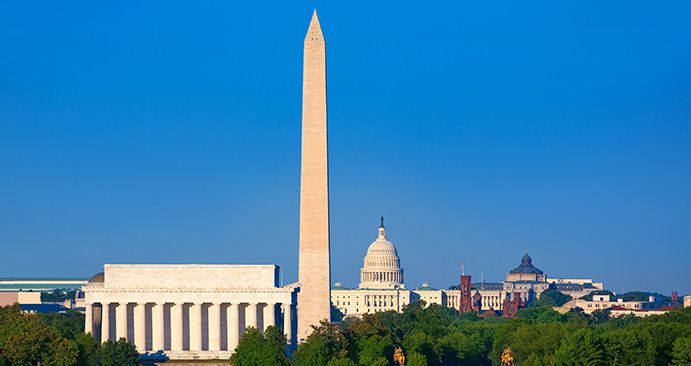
381,284
189,311
604,302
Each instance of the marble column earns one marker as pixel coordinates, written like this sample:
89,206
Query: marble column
215,327
140,327
269,315
105,322
157,327
121,321
251,316
176,316
288,322
233,326
196,327
89,319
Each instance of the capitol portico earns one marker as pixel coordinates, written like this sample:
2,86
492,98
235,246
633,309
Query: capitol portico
189,311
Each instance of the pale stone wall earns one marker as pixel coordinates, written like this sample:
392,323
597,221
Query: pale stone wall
8,298
190,276
492,299
357,302
363,301
29,297
19,297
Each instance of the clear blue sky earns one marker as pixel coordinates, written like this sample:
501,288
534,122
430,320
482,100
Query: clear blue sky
169,132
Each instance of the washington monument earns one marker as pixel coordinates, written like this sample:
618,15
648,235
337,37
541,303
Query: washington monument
314,263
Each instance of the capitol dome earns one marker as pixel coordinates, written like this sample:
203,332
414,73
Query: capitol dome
382,267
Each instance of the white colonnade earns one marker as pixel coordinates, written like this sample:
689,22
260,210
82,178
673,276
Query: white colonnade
177,327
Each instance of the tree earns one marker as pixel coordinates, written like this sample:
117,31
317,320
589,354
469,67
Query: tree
540,339
681,352
375,351
66,325
644,296
581,348
551,298
540,313
88,350
255,349
314,351
341,362
416,359
462,349
631,347
29,343
326,342
120,353
600,315
62,352
423,344
274,351
58,295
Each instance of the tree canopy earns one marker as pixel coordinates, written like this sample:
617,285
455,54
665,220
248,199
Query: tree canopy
56,339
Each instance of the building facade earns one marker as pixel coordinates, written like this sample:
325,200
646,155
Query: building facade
189,311
381,285
605,302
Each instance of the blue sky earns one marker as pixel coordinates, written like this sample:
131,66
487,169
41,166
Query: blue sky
169,132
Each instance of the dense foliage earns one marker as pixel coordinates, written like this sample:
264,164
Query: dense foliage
58,295
539,336
56,339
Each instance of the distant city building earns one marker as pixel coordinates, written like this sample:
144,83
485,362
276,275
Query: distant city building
605,302
529,282
466,303
43,308
41,284
617,311
525,281
575,287
19,297
511,304
687,301
381,284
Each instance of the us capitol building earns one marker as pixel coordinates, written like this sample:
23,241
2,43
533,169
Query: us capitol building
382,288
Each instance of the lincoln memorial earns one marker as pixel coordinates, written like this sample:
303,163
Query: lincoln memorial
190,311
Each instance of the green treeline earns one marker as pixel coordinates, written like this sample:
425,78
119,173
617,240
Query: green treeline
437,335
56,340
429,335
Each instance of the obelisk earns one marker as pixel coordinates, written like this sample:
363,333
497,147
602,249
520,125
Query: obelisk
314,299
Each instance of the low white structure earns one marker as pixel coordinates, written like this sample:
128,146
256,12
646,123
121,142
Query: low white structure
381,284
190,311
604,302
41,284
